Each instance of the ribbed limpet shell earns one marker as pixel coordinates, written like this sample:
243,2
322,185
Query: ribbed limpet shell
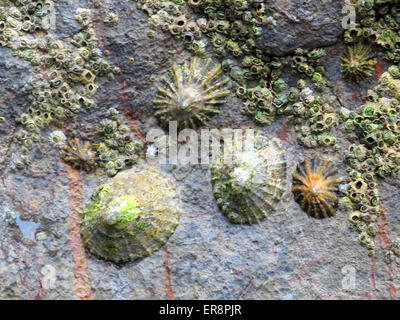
248,189
191,93
315,188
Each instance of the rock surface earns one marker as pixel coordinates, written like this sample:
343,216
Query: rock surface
306,24
287,256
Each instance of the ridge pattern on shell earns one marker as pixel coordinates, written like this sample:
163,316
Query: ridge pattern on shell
130,216
191,93
358,63
248,188
315,188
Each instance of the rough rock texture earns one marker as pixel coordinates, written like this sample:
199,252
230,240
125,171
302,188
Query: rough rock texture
306,24
287,256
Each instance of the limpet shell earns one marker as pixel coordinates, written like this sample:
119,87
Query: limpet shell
191,94
248,189
130,216
315,188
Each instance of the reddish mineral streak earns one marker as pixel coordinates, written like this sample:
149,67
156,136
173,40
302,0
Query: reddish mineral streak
40,291
282,133
379,68
247,290
83,290
168,286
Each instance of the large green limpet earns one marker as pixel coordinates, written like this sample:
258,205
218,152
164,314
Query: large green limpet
130,216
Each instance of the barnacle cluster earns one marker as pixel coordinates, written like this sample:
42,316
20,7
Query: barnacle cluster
114,147
358,63
376,124
258,103
67,72
254,69
24,16
118,148
249,178
314,117
310,64
362,200
315,188
230,26
378,22
130,216
191,93
257,79
312,114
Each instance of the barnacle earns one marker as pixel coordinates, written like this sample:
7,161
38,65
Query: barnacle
248,188
130,216
395,247
58,139
111,19
357,63
315,188
84,16
80,155
191,93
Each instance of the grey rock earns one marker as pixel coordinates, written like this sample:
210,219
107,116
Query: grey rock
303,23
